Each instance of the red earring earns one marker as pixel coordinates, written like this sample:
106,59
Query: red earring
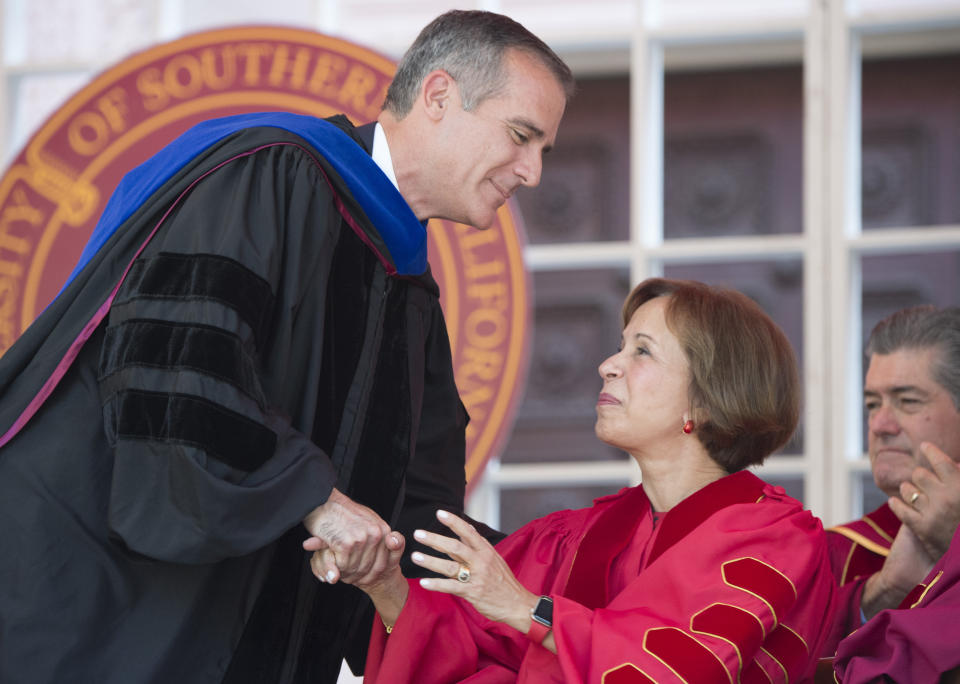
688,427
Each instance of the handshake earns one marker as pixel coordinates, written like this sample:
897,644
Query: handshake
351,543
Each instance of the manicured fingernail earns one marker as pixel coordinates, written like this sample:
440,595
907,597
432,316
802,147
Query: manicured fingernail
419,534
443,515
330,575
416,556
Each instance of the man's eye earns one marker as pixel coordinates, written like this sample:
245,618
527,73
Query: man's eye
642,351
518,136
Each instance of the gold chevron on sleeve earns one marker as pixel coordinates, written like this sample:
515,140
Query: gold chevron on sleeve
763,581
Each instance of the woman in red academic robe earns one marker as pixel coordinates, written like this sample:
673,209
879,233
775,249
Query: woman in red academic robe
704,573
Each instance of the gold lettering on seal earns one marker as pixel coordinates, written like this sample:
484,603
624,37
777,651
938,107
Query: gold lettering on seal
282,67
90,131
327,71
228,68
326,75
183,76
17,213
357,87
9,296
486,326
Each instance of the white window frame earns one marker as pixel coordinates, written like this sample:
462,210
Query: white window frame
830,246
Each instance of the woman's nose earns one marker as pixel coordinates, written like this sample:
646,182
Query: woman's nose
609,368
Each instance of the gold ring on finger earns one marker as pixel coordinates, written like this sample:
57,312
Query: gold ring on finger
914,497
463,575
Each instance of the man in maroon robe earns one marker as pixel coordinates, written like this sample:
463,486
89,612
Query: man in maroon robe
912,397
916,643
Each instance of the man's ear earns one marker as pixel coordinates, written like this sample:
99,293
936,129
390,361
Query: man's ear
438,91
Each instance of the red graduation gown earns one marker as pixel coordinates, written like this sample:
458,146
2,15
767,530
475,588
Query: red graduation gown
857,550
732,585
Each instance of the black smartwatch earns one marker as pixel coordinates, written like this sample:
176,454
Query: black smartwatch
541,620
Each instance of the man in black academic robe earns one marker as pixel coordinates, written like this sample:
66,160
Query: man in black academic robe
254,338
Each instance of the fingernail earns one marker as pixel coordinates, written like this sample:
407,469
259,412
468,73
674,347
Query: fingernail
330,575
419,534
426,584
416,556
443,515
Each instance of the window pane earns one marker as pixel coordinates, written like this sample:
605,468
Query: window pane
896,281
683,13
584,191
777,286
98,32
911,142
37,96
212,13
576,326
733,164
520,506
871,498
918,6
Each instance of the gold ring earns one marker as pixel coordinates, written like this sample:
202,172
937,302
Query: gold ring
914,497
464,574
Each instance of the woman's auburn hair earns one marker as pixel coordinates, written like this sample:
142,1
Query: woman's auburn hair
744,385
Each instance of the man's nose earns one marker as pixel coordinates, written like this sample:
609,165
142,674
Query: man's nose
530,167
883,421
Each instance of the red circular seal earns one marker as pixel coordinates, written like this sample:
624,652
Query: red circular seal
54,191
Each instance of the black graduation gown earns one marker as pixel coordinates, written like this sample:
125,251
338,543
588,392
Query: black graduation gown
257,354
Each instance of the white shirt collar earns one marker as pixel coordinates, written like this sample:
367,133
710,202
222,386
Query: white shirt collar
381,154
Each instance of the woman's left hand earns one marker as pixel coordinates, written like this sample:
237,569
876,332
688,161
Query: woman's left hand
485,579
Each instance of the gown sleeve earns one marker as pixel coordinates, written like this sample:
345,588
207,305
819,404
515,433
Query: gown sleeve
207,464
847,613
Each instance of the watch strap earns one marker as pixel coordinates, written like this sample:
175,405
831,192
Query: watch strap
538,631
541,620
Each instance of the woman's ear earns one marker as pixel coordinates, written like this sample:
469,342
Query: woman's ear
698,414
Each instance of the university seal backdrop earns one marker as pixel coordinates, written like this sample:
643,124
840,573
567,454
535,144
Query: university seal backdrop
54,191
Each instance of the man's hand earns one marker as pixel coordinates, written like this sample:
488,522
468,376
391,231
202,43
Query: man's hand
930,501
349,538
906,566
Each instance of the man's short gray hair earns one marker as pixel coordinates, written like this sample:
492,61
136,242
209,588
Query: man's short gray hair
469,45
924,327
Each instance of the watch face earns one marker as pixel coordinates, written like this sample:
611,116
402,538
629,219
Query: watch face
543,612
